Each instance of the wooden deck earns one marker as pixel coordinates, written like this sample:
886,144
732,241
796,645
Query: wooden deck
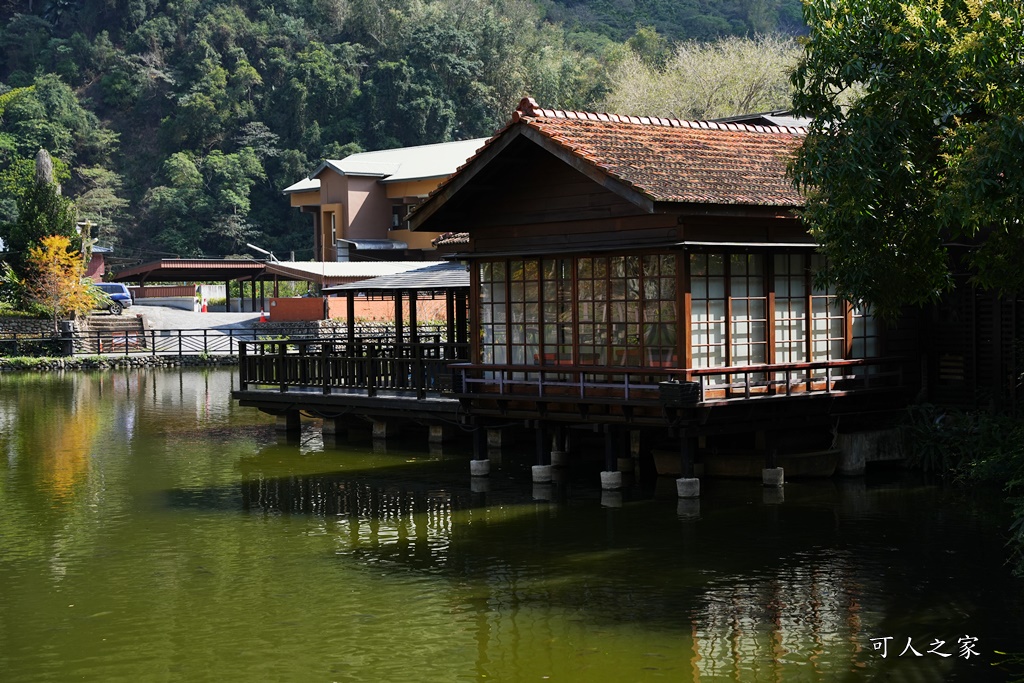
424,380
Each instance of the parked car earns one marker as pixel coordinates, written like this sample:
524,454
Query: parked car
119,296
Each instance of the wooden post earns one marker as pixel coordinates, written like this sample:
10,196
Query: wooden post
685,455
399,318
350,314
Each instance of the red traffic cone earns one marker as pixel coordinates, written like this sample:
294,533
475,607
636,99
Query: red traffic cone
263,316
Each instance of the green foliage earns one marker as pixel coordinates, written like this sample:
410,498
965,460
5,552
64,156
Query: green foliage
127,90
12,289
917,135
42,211
974,448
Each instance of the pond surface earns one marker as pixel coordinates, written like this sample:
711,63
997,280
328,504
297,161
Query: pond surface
150,530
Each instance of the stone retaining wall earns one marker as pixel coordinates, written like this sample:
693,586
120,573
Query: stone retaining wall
111,362
34,327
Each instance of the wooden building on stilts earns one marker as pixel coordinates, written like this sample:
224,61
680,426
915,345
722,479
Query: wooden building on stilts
653,276
647,282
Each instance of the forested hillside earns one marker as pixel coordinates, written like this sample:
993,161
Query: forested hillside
174,124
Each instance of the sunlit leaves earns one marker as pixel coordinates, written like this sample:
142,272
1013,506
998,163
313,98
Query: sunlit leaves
925,152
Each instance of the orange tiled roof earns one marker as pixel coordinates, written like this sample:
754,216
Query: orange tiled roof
669,160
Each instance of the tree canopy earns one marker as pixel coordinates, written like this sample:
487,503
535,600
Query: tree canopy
177,125
916,144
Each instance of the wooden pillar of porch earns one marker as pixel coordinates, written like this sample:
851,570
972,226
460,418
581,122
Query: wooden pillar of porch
399,318
414,335
350,315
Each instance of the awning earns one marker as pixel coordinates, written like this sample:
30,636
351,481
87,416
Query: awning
191,270
435,277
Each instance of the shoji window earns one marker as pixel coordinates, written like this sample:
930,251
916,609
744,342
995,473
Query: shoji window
790,308
558,303
493,313
708,310
748,310
828,319
524,311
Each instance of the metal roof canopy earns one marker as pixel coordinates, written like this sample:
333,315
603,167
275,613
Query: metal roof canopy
435,277
337,272
191,270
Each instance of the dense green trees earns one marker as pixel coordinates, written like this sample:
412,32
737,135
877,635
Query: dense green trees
179,123
917,139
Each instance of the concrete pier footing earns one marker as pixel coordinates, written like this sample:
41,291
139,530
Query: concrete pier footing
440,433
773,477
611,481
688,508
688,487
479,468
494,438
288,422
385,429
541,474
860,448
334,426
559,459
611,499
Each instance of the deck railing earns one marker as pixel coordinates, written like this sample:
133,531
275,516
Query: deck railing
707,386
129,343
340,363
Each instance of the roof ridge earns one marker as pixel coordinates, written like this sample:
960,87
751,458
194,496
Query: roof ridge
528,108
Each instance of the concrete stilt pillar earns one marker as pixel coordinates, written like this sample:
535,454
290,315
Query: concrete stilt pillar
494,438
772,477
440,433
624,465
774,495
288,423
384,430
480,485
479,468
559,459
688,487
335,426
610,481
543,491
611,499
688,508
541,474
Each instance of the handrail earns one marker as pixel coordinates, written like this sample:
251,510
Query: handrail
740,382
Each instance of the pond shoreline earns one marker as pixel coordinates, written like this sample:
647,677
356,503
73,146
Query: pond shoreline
45,364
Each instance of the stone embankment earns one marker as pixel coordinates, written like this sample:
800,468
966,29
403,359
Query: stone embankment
112,362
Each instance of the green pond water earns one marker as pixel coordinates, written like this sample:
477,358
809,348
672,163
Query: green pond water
151,530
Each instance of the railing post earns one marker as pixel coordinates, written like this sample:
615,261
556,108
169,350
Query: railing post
371,371
419,380
179,343
281,348
204,341
243,373
325,366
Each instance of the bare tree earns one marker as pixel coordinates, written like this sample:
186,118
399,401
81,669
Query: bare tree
708,80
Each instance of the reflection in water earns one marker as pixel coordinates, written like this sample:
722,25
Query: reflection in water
151,530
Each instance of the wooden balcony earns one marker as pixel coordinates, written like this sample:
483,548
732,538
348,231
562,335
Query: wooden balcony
708,386
365,365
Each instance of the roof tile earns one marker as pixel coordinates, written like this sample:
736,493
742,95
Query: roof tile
681,161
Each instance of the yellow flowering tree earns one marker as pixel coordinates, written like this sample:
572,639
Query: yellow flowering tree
55,279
